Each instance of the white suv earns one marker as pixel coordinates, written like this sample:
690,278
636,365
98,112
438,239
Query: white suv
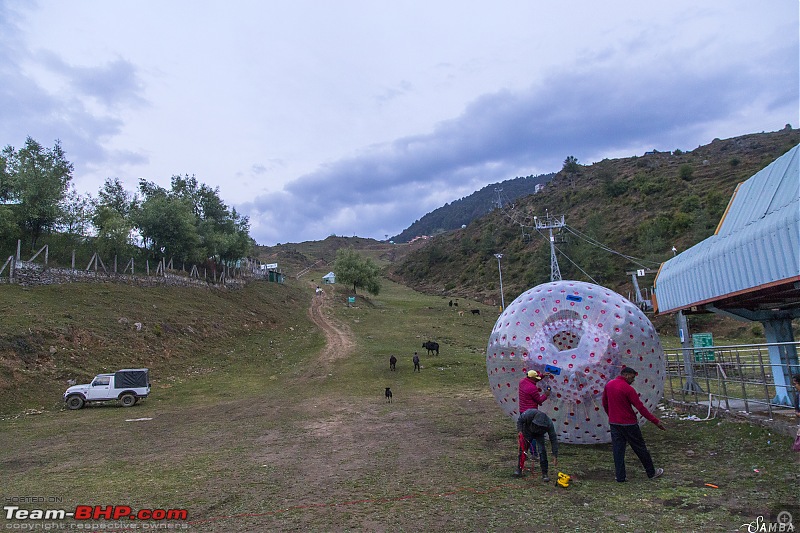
127,386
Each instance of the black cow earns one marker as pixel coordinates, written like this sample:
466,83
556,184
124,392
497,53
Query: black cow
431,347
475,311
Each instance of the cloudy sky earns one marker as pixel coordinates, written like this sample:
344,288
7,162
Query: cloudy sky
358,117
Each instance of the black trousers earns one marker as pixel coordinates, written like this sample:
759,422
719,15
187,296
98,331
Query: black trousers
621,436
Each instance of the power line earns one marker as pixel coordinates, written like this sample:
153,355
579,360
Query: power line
602,246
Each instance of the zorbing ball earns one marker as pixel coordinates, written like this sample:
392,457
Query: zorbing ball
583,334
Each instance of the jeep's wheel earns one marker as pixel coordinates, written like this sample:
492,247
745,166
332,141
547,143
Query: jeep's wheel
74,402
127,400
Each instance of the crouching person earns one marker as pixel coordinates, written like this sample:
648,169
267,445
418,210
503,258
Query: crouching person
532,426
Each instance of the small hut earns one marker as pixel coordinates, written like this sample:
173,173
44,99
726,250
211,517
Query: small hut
329,278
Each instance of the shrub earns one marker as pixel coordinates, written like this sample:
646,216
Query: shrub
685,172
615,188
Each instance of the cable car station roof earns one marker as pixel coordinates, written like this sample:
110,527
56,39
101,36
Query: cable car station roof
750,267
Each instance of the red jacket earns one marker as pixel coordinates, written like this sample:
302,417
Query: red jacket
619,399
530,397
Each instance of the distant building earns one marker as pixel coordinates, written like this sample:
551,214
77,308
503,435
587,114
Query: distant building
329,278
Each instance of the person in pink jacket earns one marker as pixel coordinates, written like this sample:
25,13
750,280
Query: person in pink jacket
619,399
530,397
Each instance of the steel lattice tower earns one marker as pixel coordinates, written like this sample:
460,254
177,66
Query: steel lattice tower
549,223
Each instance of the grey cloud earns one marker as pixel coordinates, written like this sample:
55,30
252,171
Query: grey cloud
392,93
30,110
113,84
582,113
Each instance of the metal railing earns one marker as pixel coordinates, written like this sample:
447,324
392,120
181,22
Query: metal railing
737,378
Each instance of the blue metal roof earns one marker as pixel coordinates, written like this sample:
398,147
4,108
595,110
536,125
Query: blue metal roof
756,245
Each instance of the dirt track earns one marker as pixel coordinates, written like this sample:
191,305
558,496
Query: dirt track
339,340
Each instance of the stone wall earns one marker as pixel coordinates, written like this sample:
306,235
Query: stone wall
33,274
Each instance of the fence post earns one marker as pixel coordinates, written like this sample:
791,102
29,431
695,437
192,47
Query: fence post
12,271
19,249
683,333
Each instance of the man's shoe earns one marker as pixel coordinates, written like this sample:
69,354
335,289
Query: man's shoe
518,472
659,473
545,478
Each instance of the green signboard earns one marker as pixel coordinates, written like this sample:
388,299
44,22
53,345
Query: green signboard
703,340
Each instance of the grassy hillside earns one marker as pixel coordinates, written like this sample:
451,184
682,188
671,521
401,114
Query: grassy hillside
51,334
464,210
638,206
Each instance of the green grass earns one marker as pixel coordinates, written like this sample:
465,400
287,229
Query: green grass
249,436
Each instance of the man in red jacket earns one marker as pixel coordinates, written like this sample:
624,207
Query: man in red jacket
530,397
619,399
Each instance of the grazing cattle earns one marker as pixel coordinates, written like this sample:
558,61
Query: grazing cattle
431,347
461,313
392,363
451,303
475,311
388,394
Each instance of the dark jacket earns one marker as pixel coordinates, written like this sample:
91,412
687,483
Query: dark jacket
534,424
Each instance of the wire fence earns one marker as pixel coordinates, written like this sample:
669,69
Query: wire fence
41,269
735,378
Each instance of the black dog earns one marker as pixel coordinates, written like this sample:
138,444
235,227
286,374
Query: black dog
388,394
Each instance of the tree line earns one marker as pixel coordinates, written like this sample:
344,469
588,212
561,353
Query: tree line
187,222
